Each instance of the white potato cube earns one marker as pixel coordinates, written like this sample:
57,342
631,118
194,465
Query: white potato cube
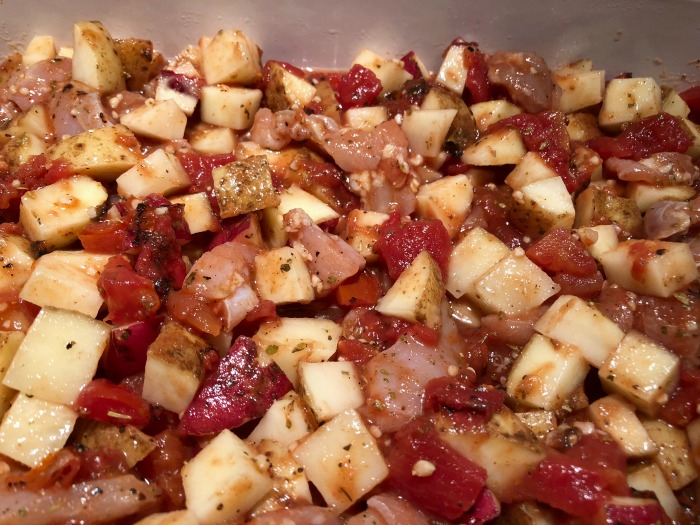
282,277
315,208
627,100
185,101
540,422
58,356
650,267
580,66
491,111
342,460
224,481
230,58
213,140
41,47
504,146
160,172
694,131
390,73
286,90
426,129
56,213
365,118
650,478
453,70
448,199
363,231
174,359
174,517
573,321
231,107
532,168
673,104
674,458
582,127
616,416
286,421
543,205
471,258
35,120
161,120
103,154
95,59
546,373
417,294
197,212
514,285
33,429
642,371
580,90
68,280
598,239
9,344
289,340
646,195
330,388
16,262
20,149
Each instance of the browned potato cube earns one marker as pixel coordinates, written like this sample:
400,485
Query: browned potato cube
139,61
244,186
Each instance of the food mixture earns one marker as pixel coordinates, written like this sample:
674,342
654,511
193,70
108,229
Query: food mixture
235,291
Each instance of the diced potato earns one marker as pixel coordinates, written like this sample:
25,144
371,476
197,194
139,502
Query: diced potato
598,239
596,206
573,321
426,129
649,267
514,285
288,341
532,168
363,232
674,458
507,450
642,371
15,262
527,513
230,58
21,149
330,388
673,104
582,127
365,118
295,197
694,131
417,293
616,416
68,280
197,212
342,460
9,344
58,356
186,102
175,359
160,172
33,429
645,195
574,68
135,444
140,62
627,100
546,373
244,186
290,482
390,72
471,258
491,111
231,107
285,90
453,70
224,481
56,213
580,90
282,277
41,47
36,120
326,98
448,199
212,140
542,206
160,120
650,478
693,431
102,154
65,52
504,146
95,59
174,517
462,132
286,421
540,422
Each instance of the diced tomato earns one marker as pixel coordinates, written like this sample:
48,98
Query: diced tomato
324,180
424,334
450,490
58,470
238,391
681,408
108,236
356,88
355,351
400,243
560,252
191,86
640,139
477,85
102,400
163,466
360,290
129,297
459,394
126,355
234,229
101,462
59,169
410,64
199,168
284,65
454,166
486,508
631,511
193,311
588,287
264,311
597,449
371,326
691,96
31,175
490,211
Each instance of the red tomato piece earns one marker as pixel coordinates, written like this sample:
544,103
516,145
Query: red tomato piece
588,287
126,355
199,168
400,243
238,391
681,408
631,511
195,312
232,229
163,467
639,140
284,65
101,463
356,88
102,400
559,252
477,85
182,83
454,485
356,351
58,470
360,290
691,96
129,297
108,236
410,64
59,169
378,329
459,394
490,211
